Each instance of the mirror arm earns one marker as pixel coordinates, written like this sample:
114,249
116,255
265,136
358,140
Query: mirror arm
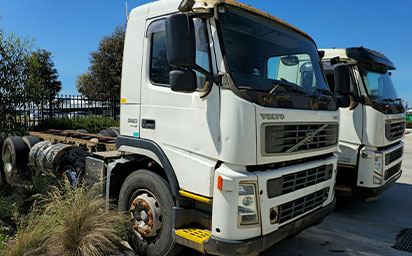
361,99
215,79
202,15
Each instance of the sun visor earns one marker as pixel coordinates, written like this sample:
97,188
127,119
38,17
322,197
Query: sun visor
368,55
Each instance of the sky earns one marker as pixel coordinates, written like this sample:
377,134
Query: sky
71,29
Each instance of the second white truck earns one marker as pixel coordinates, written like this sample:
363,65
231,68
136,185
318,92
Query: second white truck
372,127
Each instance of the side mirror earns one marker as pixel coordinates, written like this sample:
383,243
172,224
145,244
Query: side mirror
180,41
183,81
321,54
342,82
343,101
290,61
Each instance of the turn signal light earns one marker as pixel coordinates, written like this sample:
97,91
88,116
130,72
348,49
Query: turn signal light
219,182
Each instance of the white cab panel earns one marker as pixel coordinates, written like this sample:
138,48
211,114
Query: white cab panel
132,59
130,120
350,135
225,206
238,130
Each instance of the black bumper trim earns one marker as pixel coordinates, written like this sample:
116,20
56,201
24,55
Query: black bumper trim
256,245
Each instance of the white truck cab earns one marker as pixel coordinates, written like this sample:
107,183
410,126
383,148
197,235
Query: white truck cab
370,146
228,130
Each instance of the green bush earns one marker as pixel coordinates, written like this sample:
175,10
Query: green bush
408,124
91,124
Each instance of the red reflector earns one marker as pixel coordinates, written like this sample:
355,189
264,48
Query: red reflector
219,182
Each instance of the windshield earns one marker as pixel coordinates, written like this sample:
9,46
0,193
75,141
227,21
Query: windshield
379,87
271,63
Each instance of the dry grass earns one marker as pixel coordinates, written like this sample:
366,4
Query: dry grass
6,206
73,222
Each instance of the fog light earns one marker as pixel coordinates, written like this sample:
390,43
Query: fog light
273,215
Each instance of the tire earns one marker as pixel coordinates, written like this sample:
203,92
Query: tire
73,166
31,140
15,155
107,133
116,131
149,182
2,175
82,130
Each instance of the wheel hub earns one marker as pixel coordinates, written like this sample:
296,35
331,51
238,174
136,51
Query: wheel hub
7,158
146,215
71,175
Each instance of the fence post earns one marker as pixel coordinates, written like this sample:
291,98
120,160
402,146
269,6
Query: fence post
51,106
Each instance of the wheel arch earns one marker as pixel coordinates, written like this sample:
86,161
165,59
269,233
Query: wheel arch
147,151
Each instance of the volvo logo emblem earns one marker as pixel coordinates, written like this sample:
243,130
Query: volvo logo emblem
272,116
309,136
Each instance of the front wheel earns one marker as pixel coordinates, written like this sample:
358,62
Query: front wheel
147,198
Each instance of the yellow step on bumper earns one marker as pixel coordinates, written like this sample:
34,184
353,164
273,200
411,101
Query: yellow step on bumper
192,238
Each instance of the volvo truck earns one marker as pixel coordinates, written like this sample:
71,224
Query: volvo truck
370,144
228,132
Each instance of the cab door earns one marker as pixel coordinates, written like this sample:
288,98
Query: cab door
351,119
184,125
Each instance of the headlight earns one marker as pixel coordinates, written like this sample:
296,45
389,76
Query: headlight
378,169
247,204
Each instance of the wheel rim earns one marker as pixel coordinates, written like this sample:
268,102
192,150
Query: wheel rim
69,172
146,215
8,160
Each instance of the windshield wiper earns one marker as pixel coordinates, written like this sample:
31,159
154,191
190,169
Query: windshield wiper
323,92
285,84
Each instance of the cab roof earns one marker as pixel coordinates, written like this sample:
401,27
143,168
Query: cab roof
165,7
359,53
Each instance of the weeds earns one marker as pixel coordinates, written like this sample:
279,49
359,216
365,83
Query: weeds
6,207
69,222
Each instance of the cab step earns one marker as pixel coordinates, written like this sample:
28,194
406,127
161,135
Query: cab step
192,238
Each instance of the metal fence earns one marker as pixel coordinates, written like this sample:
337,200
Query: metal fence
65,106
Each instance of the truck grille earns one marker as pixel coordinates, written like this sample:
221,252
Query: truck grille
394,131
295,181
299,137
302,205
392,171
394,155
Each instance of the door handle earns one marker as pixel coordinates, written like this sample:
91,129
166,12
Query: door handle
148,124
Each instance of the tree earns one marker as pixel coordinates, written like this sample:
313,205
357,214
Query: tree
103,78
41,76
13,55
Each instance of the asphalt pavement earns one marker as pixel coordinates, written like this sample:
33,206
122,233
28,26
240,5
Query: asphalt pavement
357,227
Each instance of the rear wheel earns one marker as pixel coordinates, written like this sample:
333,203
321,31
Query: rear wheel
147,198
2,176
31,140
73,166
15,158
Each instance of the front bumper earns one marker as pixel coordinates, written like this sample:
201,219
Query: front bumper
364,193
254,246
